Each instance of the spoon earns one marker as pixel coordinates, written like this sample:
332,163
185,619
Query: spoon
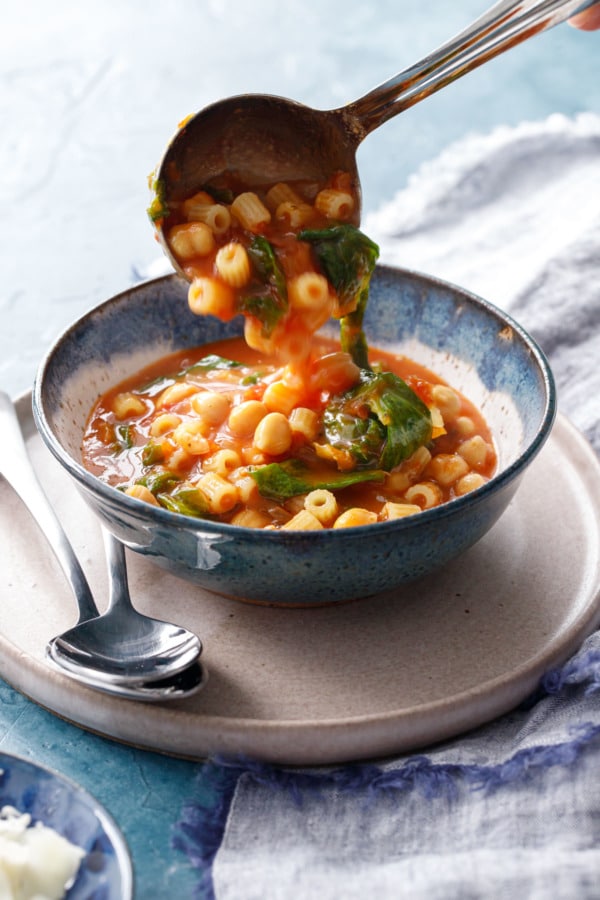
122,647
120,652
263,139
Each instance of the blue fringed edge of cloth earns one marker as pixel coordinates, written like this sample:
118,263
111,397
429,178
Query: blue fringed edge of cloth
199,831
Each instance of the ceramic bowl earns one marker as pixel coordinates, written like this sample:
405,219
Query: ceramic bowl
478,349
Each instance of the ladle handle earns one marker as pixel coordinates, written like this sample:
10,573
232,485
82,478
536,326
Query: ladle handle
16,467
504,25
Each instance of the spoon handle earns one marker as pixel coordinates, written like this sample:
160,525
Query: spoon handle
117,571
504,25
17,469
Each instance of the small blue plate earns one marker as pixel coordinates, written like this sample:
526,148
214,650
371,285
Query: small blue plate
106,871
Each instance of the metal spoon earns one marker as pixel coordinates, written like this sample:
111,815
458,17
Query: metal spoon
67,656
120,652
262,139
123,647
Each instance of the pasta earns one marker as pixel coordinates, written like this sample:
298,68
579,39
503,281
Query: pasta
211,297
425,494
354,517
127,404
189,436
282,193
323,505
335,204
250,211
222,494
216,216
296,215
233,265
192,239
223,462
303,521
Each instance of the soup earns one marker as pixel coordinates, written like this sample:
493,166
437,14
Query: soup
227,433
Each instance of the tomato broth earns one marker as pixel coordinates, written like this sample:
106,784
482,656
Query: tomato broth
194,431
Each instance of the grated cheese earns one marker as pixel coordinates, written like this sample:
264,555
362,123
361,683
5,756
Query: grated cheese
36,863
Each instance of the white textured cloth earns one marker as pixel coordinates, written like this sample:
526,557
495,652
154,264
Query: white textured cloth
511,810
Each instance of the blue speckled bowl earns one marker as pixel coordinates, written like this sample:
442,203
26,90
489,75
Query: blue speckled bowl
470,343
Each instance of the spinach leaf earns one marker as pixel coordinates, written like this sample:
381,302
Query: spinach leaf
187,501
118,437
220,195
266,297
267,265
265,306
124,434
158,480
347,258
213,361
152,453
380,421
352,336
158,208
280,481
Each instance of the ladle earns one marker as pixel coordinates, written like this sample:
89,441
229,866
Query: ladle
120,652
262,139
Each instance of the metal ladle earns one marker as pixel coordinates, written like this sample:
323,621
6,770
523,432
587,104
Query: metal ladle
263,139
121,651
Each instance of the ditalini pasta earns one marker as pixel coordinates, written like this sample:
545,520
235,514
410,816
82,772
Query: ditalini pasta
285,429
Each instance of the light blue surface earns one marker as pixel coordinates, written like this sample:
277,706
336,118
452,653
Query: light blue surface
142,791
89,95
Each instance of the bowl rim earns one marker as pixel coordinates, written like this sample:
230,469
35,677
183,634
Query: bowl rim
165,517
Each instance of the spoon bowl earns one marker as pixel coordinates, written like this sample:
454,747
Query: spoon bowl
120,652
174,687
261,139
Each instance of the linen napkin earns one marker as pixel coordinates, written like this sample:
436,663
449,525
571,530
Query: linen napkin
511,809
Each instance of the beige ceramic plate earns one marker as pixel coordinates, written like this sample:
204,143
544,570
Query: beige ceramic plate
314,686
